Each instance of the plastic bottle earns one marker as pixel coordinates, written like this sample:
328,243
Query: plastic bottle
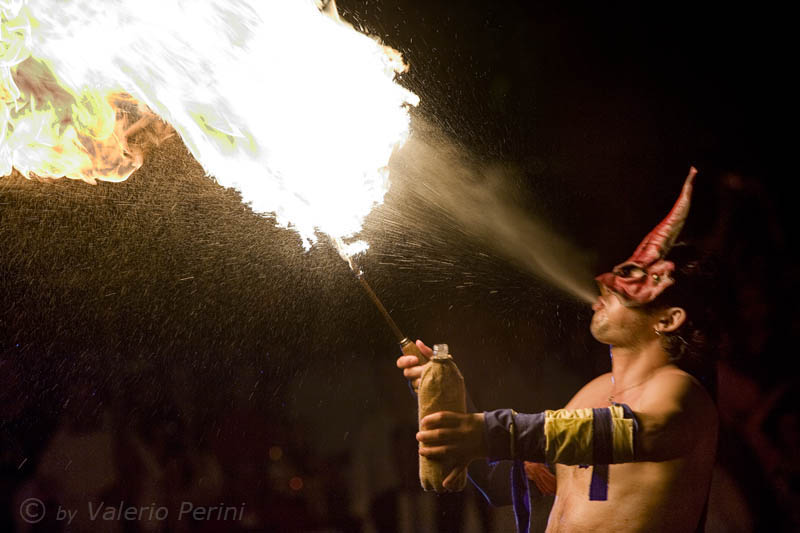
441,388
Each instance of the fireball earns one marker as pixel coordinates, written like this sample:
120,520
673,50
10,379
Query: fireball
291,106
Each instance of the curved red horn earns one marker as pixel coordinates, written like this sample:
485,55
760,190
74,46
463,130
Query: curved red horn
659,241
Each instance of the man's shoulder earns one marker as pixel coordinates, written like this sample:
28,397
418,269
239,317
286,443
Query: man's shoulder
673,378
671,384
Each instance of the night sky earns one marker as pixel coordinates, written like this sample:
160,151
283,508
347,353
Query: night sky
165,297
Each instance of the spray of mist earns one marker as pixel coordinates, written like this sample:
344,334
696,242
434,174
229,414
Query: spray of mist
478,198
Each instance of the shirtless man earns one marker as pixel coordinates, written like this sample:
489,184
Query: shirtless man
649,434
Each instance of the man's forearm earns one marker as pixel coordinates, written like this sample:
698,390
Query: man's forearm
571,437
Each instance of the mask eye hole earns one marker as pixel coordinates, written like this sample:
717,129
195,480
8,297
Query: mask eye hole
630,271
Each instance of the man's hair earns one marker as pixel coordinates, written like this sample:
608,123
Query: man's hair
694,346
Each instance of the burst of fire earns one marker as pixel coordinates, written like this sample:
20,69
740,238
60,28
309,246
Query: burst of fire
295,109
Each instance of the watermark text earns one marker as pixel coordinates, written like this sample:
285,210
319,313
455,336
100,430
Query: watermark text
34,510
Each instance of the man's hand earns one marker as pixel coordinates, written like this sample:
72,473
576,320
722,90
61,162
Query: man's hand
459,438
412,369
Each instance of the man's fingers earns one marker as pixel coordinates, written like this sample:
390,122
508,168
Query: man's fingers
437,436
451,477
407,361
413,372
441,419
426,351
435,452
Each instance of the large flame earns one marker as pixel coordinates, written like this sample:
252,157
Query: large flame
50,130
295,109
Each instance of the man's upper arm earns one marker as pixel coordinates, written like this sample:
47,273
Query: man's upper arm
673,414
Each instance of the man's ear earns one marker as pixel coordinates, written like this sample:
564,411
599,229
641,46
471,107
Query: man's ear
671,319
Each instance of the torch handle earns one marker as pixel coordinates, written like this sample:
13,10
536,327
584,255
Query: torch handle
409,347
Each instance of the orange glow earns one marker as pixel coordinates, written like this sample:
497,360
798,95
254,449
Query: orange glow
275,453
296,483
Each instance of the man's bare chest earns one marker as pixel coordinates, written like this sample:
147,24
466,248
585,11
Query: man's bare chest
603,394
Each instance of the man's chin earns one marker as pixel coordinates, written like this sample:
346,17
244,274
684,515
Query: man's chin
598,332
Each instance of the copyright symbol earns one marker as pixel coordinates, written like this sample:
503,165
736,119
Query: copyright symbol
32,510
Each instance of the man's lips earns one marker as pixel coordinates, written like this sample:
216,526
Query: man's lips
602,301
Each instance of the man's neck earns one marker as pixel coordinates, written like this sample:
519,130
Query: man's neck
633,365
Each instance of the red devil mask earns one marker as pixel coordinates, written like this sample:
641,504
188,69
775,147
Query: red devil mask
646,274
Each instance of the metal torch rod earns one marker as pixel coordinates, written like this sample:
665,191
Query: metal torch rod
381,308
407,346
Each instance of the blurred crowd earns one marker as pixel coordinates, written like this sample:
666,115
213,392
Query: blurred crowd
758,483
109,452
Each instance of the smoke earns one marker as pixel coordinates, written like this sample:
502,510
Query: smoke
479,199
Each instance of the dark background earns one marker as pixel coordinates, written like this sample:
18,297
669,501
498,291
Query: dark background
160,322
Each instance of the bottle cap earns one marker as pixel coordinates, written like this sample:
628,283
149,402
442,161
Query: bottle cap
441,351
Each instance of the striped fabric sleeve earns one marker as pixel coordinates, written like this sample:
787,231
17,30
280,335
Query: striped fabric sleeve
570,437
